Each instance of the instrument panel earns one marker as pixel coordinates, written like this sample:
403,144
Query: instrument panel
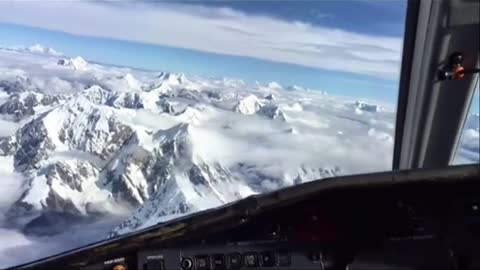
399,233
431,223
235,257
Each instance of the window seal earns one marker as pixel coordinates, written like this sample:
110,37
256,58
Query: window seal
410,30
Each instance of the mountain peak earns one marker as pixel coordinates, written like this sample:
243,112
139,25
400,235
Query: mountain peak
171,78
34,49
131,81
272,111
248,105
366,107
270,97
77,63
274,85
296,88
178,131
96,94
37,48
19,85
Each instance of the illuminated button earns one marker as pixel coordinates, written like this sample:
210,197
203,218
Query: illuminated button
268,259
202,262
235,260
218,262
186,264
119,267
251,259
284,259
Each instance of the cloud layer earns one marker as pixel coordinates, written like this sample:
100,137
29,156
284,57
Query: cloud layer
216,30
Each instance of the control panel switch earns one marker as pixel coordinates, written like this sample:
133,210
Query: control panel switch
218,262
251,259
202,262
268,259
234,261
186,264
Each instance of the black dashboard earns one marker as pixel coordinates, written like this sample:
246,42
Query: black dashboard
424,219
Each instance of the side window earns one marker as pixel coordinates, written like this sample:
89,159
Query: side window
468,151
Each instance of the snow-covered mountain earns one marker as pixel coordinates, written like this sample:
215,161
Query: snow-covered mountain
89,140
361,106
77,63
35,49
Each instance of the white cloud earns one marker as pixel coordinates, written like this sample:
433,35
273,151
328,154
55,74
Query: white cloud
8,127
11,185
32,248
11,239
217,30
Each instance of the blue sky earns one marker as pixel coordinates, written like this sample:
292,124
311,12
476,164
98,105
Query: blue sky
377,17
344,47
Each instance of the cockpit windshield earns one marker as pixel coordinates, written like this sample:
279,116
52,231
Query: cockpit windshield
118,115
